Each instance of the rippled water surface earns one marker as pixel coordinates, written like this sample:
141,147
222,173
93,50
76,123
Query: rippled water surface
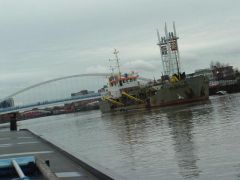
197,141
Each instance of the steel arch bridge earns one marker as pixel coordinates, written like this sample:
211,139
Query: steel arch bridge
62,78
54,80
59,79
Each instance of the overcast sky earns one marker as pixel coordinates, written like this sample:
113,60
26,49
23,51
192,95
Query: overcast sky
45,39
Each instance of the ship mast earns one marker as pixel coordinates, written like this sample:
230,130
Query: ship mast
169,51
117,60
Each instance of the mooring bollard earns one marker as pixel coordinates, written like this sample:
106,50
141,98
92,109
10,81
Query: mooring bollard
13,121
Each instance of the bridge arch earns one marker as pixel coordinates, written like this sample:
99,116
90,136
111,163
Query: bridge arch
54,80
59,79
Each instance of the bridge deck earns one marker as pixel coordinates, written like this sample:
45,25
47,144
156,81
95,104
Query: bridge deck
64,165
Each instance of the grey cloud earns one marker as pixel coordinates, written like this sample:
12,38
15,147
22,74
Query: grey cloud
47,39
141,65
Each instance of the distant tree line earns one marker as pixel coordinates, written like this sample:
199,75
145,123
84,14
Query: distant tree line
217,64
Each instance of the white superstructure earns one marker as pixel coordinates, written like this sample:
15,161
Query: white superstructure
119,82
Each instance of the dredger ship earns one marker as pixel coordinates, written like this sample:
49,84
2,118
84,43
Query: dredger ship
125,91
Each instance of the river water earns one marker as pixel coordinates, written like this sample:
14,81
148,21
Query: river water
197,141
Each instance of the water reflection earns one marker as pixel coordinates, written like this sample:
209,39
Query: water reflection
185,142
133,123
136,131
129,128
225,104
181,124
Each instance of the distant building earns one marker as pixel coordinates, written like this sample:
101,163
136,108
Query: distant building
82,92
217,73
223,73
7,103
103,89
205,72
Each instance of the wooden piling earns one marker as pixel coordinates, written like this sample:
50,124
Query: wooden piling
13,121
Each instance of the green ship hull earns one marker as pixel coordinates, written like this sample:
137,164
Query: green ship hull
191,89
185,91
